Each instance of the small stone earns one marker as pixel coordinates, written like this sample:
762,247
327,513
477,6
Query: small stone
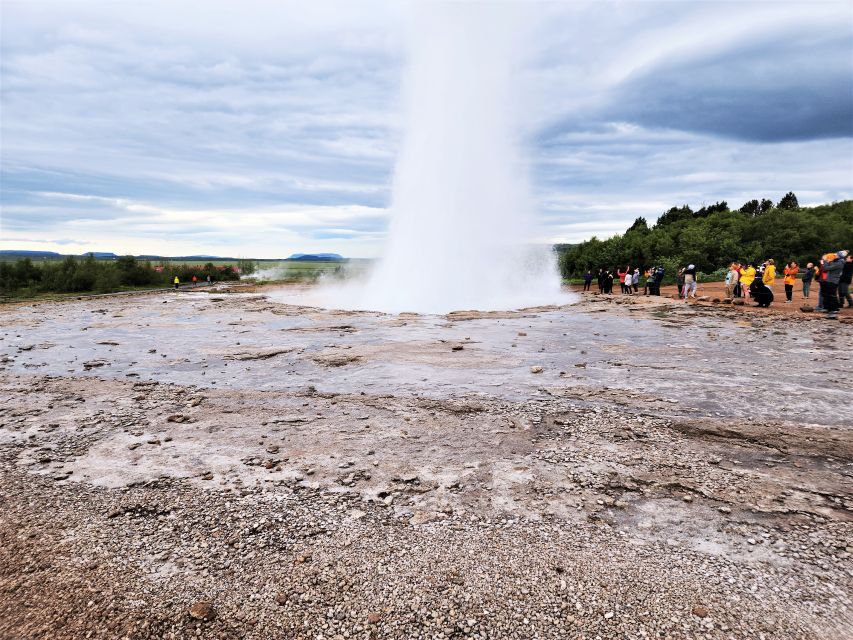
807,308
374,617
536,369
202,610
738,302
724,510
281,598
700,611
457,347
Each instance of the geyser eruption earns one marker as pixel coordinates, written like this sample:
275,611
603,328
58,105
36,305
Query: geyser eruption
462,232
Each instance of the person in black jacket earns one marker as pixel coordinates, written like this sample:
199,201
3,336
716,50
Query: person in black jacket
844,280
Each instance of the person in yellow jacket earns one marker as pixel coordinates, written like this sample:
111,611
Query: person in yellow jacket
177,282
747,277
769,277
791,272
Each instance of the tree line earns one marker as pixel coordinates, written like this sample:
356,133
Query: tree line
87,274
715,236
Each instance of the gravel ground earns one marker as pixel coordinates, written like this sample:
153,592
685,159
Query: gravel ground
146,509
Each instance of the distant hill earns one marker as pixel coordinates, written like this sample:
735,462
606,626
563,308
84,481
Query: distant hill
316,257
14,253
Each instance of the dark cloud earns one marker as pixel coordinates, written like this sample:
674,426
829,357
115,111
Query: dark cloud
777,90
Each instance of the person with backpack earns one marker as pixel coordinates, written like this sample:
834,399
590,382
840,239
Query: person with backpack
690,282
833,267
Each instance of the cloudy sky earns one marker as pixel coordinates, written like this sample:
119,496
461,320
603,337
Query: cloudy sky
265,128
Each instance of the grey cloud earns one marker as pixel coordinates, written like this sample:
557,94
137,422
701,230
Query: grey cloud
788,88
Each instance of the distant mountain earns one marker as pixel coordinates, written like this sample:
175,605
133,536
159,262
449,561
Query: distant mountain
316,257
30,254
203,257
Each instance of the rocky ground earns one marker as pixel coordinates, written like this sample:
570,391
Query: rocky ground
316,505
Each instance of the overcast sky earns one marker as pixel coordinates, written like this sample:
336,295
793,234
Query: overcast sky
266,128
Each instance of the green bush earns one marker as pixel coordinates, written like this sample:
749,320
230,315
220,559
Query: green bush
79,275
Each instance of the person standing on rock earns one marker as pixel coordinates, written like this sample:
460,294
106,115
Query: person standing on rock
587,280
746,279
808,276
819,277
690,281
731,280
833,266
621,275
846,278
635,280
769,275
177,282
608,283
791,272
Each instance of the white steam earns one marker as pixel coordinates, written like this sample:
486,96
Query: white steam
463,230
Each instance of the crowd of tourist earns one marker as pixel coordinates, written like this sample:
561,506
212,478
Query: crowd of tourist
832,276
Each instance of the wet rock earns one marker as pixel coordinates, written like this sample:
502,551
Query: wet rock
536,369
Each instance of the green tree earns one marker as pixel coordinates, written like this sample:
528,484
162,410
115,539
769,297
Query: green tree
788,201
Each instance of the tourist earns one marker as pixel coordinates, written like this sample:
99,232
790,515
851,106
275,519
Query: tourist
731,280
768,276
690,282
761,293
791,272
195,280
833,267
600,279
622,275
746,279
844,282
635,280
679,281
608,282
177,282
820,277
808,276
587,280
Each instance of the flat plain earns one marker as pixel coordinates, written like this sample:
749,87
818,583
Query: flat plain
217,465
